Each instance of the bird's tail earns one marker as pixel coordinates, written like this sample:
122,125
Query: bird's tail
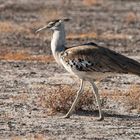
123,64
134,67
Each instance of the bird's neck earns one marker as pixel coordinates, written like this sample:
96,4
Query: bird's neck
58,43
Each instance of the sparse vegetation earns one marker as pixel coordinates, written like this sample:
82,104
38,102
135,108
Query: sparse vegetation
61,99
32,86
91,2
131,17
133,99
24,56
107,36
9,27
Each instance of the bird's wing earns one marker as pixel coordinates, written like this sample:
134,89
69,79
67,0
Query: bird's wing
94,58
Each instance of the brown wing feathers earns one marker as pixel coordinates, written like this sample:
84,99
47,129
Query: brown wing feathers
126,64
94,58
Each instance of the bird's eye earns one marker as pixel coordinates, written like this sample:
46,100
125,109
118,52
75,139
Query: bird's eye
57,24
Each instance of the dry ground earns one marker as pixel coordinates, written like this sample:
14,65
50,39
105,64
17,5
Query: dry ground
33,87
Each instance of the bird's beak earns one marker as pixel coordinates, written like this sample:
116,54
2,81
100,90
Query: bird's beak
43,28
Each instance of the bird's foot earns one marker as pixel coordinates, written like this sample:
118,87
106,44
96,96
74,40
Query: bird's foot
101,118
65,117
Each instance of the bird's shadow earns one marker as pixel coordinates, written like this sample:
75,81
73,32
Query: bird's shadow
95,113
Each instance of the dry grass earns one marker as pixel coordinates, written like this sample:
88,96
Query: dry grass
27,29
92,2
108,36
81,36
9,27
60,99
111,36
32,137
130,18
133,98
129,99
24,56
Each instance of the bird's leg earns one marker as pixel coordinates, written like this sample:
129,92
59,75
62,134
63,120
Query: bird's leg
95,91
79,93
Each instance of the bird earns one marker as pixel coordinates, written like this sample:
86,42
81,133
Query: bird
89,62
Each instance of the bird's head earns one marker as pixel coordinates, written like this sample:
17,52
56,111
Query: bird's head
54,24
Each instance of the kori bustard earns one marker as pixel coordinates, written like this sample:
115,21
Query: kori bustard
88,61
